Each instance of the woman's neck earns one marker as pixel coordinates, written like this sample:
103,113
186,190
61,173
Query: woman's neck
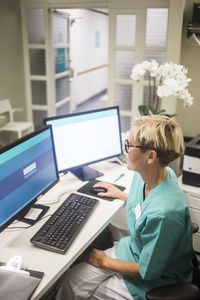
153,177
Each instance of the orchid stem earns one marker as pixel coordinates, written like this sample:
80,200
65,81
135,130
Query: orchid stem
157,104
149,90
154,93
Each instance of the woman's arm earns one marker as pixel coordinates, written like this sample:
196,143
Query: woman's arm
99,259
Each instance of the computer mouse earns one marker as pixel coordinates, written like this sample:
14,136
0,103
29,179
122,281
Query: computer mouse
96,190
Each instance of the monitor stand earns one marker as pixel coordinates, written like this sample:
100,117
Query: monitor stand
86,173
30,217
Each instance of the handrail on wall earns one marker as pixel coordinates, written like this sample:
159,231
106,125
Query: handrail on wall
92,69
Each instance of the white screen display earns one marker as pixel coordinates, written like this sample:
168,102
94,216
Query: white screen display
84,138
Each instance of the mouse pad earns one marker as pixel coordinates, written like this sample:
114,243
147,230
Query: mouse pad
85,189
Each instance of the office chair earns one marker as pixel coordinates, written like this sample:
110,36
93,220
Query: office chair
181,291
11,125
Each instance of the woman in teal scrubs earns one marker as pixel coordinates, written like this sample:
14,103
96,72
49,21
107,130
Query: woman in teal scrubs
158,250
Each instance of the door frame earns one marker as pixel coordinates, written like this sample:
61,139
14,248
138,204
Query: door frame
174,35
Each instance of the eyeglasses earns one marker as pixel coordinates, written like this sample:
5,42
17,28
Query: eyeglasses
127,145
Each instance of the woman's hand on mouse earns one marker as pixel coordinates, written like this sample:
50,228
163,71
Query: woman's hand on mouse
112,191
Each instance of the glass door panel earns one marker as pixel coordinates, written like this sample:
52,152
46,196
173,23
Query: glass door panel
63,109
125,123
37,62
123,95
39,93
38,116
124,63
156,27
35,24
159,56
62,88
60,24
125,30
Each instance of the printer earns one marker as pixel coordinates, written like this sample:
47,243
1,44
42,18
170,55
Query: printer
191,162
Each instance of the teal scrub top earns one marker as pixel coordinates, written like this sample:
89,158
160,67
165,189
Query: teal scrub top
160,236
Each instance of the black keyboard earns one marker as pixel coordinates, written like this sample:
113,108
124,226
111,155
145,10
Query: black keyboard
62,227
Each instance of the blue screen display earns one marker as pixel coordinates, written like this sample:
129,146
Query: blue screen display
26,171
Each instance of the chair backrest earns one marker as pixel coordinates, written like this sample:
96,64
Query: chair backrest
195,262
5,106
195,227
196,271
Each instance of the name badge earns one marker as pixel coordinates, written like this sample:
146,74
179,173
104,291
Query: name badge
138,211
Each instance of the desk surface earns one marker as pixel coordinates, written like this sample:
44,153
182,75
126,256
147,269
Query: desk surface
17,241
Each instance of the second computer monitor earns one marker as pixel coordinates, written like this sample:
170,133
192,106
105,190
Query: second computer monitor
27,170
84,138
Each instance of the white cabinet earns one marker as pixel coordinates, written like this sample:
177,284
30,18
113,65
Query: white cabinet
192,194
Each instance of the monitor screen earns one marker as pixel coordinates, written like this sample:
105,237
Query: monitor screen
27,170
84,138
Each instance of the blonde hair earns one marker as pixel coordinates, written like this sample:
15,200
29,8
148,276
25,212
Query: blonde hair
161,134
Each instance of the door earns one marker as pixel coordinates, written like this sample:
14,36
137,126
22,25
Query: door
134,28
47,63
126,42
136,35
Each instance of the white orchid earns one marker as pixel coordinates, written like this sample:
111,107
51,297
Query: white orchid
186,97
138,73
169,87
165,80
151,67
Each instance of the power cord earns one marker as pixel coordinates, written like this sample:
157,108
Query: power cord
196,39
57,201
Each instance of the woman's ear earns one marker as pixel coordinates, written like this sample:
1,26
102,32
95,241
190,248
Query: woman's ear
152,156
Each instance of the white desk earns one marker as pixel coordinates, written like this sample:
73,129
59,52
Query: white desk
192,194
17,242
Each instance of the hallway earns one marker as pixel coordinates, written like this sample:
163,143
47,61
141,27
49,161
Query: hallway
96,102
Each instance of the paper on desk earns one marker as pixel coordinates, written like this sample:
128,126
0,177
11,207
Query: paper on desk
16,286
33,213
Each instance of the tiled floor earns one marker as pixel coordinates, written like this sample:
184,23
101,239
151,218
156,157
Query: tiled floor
96,102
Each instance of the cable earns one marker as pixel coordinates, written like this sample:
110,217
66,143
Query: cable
57,201
24,227
196,38
9,228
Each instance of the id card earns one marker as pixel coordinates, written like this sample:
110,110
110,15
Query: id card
138,211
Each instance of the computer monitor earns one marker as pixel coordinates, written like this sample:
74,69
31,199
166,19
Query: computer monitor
84,138
27,170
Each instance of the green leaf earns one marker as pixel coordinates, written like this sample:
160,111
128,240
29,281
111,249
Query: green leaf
161,112
169,116
152,110
144,110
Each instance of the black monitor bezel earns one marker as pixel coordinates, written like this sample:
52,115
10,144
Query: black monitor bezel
82,113
17,142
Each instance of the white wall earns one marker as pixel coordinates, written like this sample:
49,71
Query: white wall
189,118
85,55
11,56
